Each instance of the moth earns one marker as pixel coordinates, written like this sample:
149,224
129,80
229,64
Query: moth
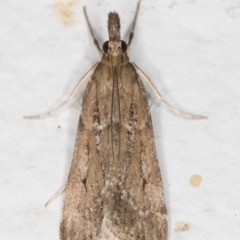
114,188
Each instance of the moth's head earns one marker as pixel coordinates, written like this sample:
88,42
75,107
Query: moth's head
115,46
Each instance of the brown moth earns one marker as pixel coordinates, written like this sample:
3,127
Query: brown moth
114,189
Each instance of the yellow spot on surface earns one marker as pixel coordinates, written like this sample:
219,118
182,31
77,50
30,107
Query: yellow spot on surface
195,180
64,9
182,226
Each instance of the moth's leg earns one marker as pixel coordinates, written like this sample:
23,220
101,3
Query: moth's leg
150,105
133,24
58,193
71,96
95,41
158,95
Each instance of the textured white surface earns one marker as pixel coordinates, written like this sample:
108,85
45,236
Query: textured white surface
189,48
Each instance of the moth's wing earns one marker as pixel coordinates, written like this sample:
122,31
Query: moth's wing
109,198
135,207
83,205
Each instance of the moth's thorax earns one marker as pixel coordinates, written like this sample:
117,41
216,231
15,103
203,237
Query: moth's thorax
121,59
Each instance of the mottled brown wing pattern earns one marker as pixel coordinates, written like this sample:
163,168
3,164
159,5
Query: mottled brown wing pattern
83,205
137,208
114,197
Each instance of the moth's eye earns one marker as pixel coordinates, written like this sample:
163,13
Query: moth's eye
105,47
124,46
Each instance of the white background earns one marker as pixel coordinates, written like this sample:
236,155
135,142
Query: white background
191,51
